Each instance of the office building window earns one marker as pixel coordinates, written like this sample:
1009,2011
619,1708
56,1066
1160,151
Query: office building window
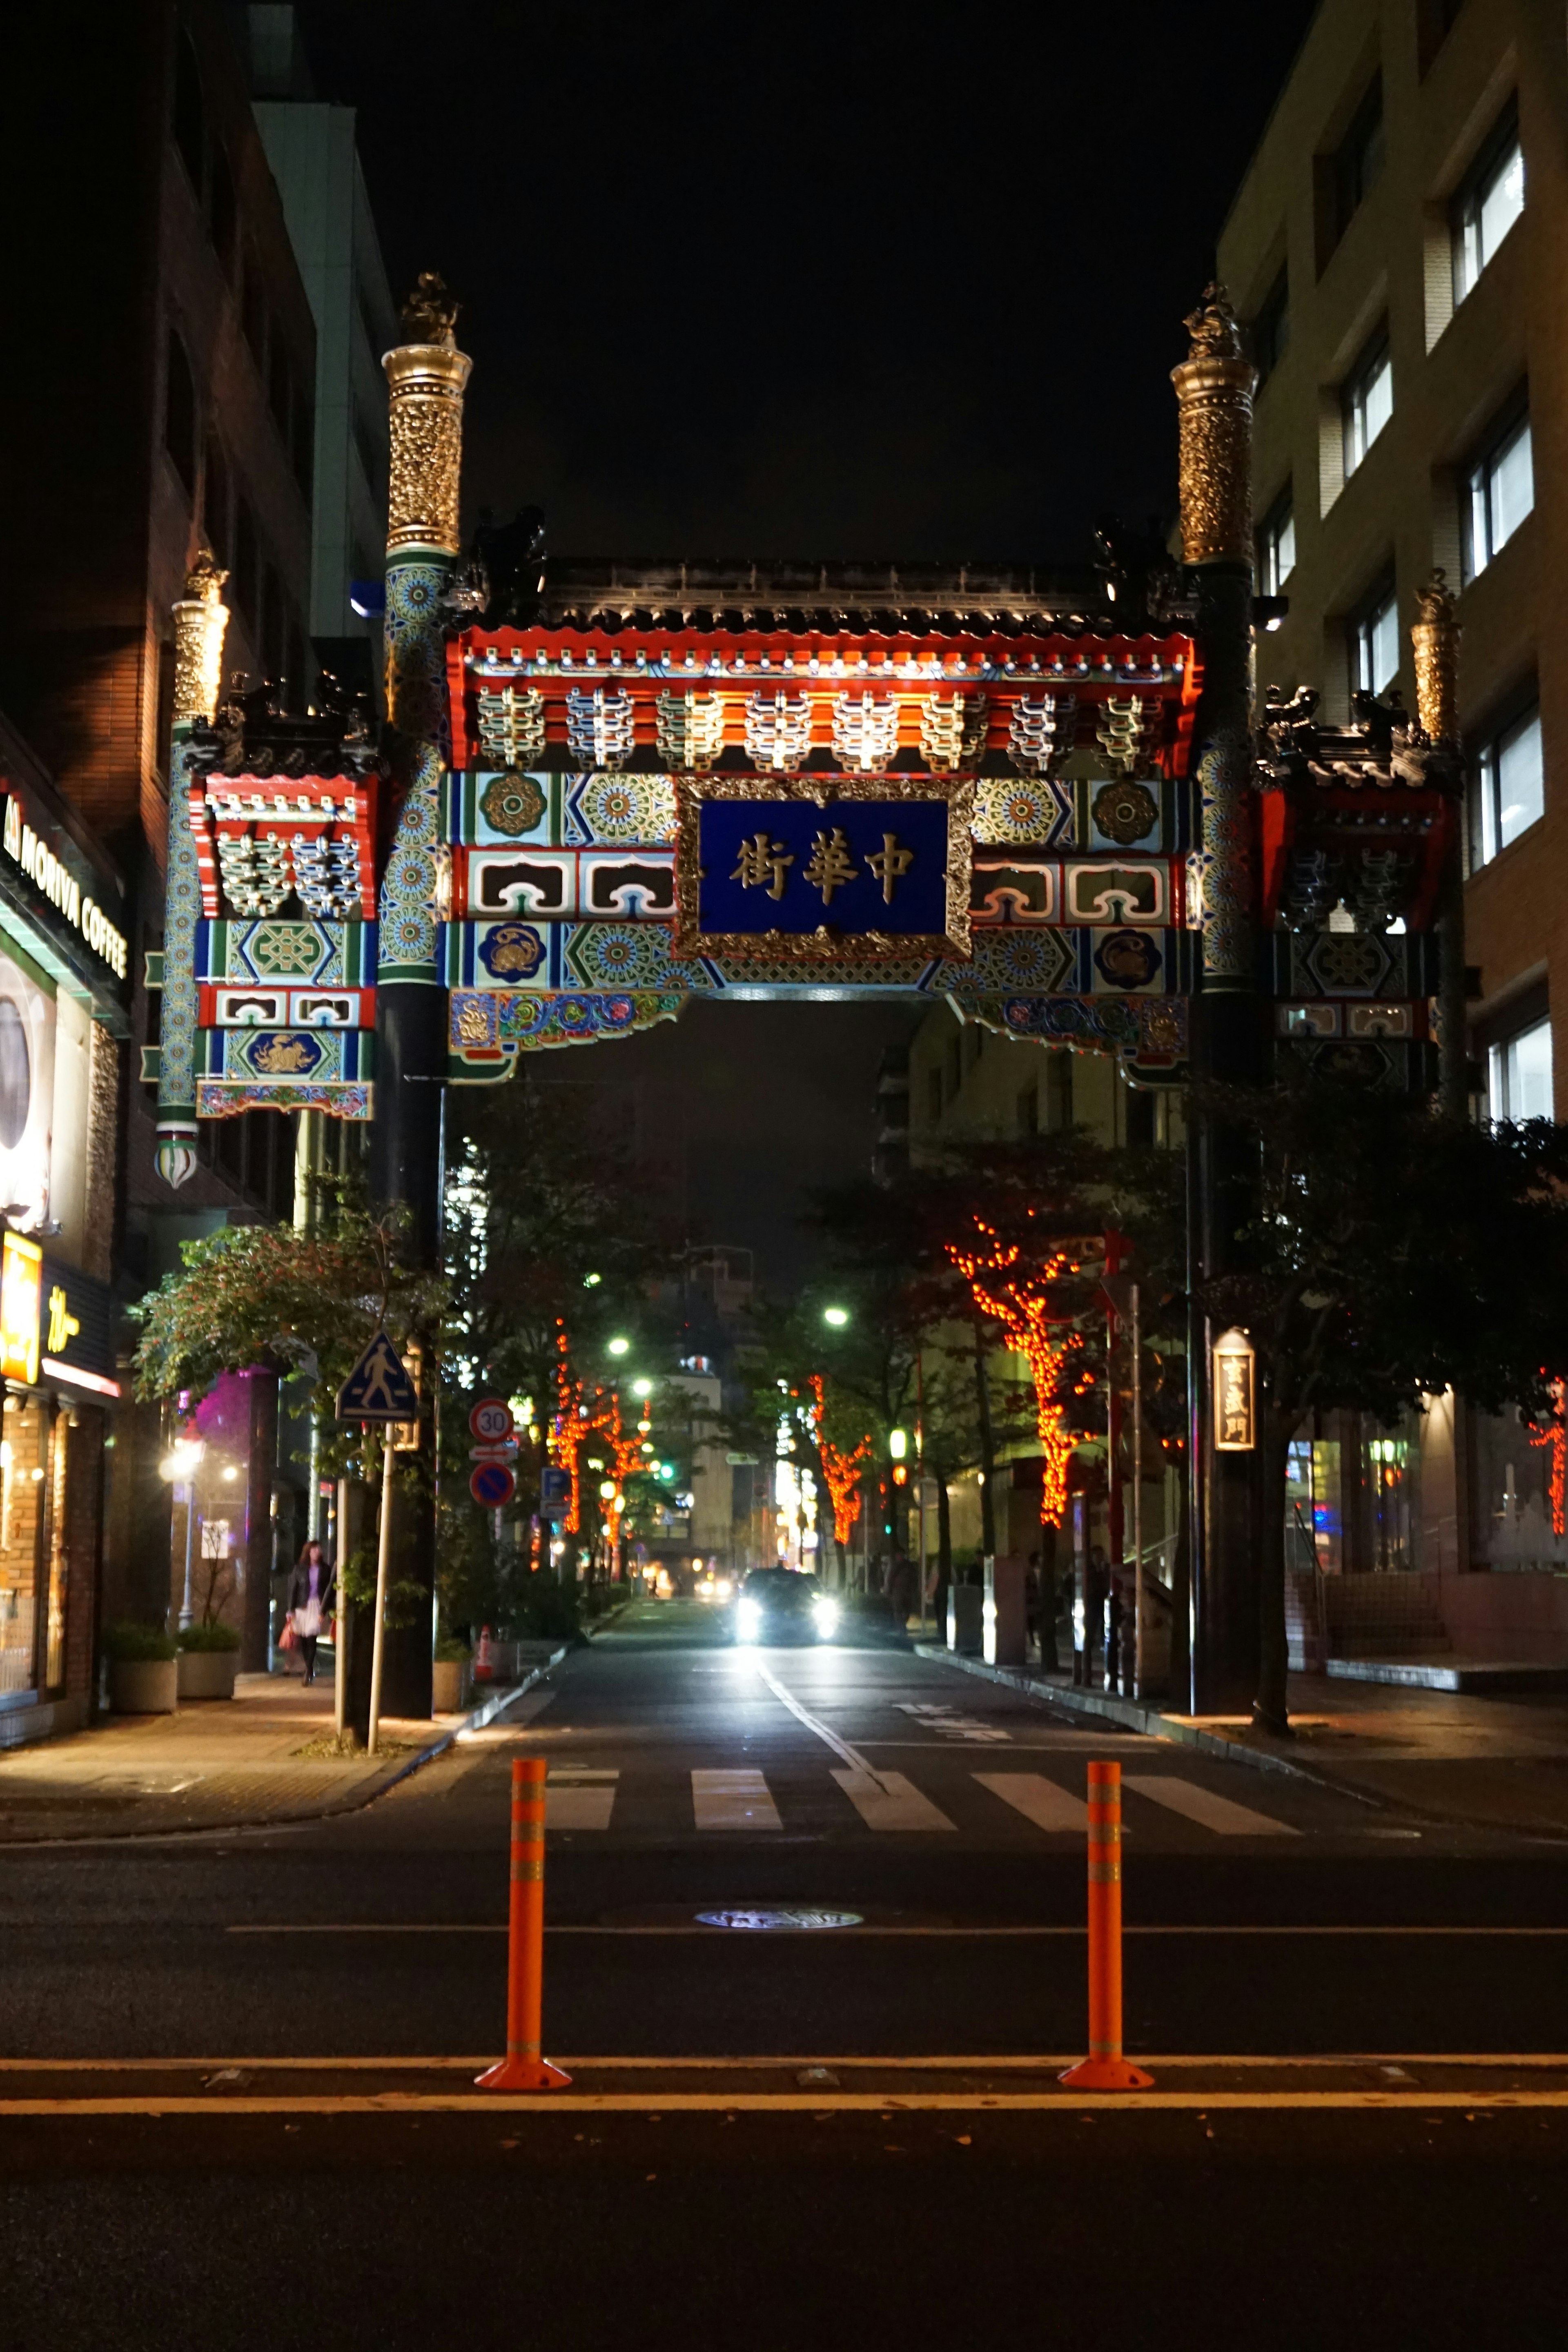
1276,545
1499,491
1271,328
1374,640
189,119
222,211
1508,790
1490,199
1367,401
180,415
1519,1074
1358,159
215,498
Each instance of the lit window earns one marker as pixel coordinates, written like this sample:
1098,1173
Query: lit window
1374,642
1277,546
1510,788
1489,200
1519,1074
1499,491
1368,401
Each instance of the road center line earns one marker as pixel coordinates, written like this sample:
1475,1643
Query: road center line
840,1935
841,1747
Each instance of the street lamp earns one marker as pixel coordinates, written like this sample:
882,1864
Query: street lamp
836,1315
179,1467
642,1388
619,1346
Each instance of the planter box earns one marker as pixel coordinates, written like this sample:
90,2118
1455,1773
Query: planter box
143,1686
207,1673
449,1691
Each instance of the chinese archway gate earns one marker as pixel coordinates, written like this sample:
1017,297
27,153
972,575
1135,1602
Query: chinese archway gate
604,790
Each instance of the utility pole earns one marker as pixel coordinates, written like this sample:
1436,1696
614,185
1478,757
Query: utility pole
1435,642
1214,386
427,376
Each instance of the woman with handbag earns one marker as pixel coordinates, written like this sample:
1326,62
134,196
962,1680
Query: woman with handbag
311,1593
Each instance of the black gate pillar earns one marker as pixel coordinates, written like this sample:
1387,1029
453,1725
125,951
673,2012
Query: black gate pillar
1214,391
426,375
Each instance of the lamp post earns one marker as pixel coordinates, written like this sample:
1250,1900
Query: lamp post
179,1467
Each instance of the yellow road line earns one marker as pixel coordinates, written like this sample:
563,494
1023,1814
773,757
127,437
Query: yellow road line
1412,2102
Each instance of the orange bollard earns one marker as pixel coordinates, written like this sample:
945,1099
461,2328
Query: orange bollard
1105,2068
522,2068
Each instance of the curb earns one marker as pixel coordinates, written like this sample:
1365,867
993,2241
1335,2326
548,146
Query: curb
1134,1715
1137,1716
475,1720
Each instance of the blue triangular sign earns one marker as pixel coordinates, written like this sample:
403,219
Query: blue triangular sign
378,1388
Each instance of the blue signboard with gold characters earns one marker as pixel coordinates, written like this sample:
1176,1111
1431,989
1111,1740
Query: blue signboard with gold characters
806,865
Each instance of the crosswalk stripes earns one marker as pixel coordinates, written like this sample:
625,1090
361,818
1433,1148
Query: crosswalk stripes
886,1801
739,1797
1038,1800
580,1801
1221,1814
735,1800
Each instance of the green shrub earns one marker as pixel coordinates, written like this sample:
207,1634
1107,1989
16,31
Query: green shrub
138,1644
209,1637
450,1652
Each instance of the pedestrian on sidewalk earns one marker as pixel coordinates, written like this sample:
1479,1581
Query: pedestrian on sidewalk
901,1590
312,1591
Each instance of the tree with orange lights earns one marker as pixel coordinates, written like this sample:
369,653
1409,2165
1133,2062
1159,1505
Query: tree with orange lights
840,1465
1026,1299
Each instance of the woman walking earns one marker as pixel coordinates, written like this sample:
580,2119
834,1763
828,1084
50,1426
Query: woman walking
312,1591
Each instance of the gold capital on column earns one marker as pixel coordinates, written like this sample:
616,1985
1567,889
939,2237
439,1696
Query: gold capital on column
1214,384
201,619
427,376
1435,642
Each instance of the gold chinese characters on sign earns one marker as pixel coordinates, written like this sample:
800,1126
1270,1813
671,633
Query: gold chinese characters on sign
1234,1394
855,866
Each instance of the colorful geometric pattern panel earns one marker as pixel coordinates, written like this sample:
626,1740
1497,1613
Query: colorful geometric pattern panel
325,955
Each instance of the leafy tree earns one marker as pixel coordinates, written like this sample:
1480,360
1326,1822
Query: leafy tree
1396,1254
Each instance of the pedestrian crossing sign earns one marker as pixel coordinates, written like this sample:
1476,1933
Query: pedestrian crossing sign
378,1388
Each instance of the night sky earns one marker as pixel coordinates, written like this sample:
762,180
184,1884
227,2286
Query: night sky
828,282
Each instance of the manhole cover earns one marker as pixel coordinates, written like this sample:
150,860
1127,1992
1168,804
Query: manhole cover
796,1919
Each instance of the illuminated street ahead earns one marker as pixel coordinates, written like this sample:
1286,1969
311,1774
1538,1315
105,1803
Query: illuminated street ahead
1268,1917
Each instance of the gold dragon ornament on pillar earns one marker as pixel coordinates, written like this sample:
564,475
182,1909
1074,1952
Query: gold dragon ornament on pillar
1435,642
1214,384
200,618
427,376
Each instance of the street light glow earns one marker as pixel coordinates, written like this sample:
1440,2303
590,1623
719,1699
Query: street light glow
898,1444
836,1315
592,1281
181,1459
620,1347
642,1388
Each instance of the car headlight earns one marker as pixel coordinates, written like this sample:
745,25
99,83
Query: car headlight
748,1621
826,1614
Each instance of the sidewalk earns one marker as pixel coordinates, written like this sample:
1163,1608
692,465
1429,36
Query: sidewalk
1490,1763
222,1763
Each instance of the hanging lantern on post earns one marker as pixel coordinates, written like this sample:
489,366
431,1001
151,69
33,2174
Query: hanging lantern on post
1235,1393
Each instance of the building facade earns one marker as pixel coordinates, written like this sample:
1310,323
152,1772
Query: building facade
310,146
170,405
64,1023
1396,248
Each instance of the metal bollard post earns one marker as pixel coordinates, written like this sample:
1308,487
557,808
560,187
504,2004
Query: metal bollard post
1105,2068
522,2068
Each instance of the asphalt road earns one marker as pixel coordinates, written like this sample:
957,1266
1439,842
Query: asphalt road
939,1818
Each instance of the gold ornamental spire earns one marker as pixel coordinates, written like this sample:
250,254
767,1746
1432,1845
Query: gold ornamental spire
1214,384
1435,642
201,619
428,375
